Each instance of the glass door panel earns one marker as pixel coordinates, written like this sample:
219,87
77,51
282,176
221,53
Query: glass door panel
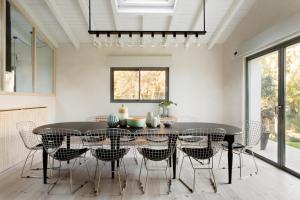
263,101
292,104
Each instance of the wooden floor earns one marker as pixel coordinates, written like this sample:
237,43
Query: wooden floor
269,184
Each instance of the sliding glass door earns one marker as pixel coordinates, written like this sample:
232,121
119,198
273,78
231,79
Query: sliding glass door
263,101
273,98
292,102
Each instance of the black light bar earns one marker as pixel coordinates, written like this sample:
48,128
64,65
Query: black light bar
142,33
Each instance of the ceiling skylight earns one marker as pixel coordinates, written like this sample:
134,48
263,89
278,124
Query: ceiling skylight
146,6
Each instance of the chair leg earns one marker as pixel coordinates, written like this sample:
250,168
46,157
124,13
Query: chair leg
253,157
87,170
213,179
185,184
140,182
135,156
168,179
96,169
98,183
26,160
120,183
32,160
220,157
146,179
125,171
28,155
124,167
240,159
71,178
51,186
181,166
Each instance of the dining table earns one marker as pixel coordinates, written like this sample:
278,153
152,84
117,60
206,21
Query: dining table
179,127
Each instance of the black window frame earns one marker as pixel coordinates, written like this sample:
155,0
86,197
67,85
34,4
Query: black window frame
139,69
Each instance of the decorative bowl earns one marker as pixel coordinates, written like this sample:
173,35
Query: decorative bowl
136,122
168,124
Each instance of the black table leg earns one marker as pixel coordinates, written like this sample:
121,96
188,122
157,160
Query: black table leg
230,155
68,145
174,160
45,165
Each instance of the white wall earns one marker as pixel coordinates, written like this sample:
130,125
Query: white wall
25,101
83,82
264,14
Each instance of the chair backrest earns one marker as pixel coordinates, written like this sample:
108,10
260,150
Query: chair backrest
252,133
202,143
108,144
62,144
156,145
25,129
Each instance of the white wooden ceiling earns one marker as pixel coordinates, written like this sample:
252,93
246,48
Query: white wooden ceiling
65,21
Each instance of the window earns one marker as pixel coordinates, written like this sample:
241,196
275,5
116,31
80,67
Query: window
29,63
19,65
44,68
139,84
146,6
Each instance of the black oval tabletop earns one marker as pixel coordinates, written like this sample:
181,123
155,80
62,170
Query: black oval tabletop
179,126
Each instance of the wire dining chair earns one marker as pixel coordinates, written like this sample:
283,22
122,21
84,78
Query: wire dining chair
31,141
63,145
108,145
156,147
200,145
245,142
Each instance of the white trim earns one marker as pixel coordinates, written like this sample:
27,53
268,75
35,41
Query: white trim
230,14
139,61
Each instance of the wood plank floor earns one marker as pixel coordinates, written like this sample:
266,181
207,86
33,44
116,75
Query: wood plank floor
269,184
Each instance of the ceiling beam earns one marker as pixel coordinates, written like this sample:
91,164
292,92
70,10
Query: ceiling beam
171,22
196,21
231,12
63,23
115,18
85,12
143,28
27,11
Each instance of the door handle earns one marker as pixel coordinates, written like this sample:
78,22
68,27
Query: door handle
277,108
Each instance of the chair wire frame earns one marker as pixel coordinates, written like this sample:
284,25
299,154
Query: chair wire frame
200,145
131,142
156,146
63,145
244,143
31,141
109,145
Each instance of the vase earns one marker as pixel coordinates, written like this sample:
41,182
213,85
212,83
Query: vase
165,111
149,118
112,121
123,115
154,122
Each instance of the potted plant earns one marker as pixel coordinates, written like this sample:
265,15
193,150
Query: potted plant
165,105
